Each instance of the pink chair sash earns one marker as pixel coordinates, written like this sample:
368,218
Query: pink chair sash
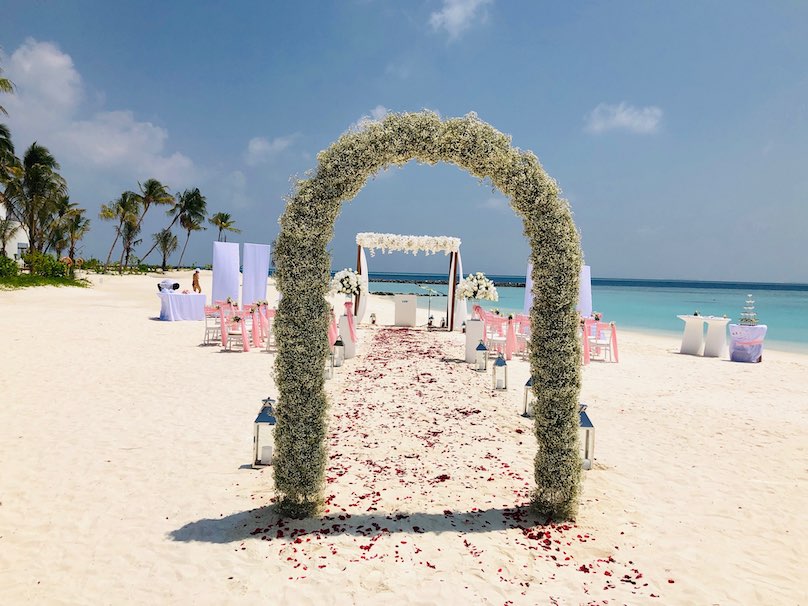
256,326
510,341
333,331
349,313
229,326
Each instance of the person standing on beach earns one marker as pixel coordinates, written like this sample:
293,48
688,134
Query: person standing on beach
196,286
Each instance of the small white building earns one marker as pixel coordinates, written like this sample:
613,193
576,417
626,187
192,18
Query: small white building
18,243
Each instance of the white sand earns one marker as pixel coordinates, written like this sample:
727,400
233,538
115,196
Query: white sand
123,478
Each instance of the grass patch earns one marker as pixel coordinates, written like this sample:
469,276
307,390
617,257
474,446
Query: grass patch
25,281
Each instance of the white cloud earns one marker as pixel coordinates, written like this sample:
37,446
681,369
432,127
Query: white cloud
495,203
111,144
261,150
377,114
641,120
457,16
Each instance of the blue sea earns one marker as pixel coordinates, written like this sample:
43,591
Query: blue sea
649,305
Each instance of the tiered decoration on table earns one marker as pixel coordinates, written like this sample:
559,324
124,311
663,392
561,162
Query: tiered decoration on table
748,315
746,338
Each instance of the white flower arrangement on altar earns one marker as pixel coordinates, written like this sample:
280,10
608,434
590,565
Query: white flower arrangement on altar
347,282
430,245
477,286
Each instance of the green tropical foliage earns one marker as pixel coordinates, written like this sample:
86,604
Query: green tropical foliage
8,229
223,222
33,192
123,210
166,242
6,86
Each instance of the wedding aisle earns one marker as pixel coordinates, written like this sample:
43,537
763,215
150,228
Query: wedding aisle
428,475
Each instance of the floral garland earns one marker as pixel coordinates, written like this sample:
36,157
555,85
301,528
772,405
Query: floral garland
408,244
477,286
347,282
303,265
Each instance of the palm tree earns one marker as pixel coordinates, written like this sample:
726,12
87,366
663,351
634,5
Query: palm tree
190,224
32,193
57,230
225,223
77,227
152,192
124,210
166,242
8,229
7,158
6,86
129,234
191,201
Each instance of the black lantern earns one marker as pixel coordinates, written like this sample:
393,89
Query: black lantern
499,374
481,358
264,435
527,405
339,352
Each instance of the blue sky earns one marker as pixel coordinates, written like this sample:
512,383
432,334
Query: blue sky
678,130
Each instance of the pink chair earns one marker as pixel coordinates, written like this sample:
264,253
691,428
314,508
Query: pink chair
234,329
213,328
601,340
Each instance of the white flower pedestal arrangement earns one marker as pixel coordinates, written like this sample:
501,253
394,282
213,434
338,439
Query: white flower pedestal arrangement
475,286
474,334
345,335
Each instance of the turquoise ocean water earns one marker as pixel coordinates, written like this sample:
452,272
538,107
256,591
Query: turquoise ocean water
648,305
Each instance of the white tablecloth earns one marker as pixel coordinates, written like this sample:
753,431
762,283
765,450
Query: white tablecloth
746,342
177,306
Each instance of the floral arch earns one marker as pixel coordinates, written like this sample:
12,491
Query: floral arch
303,271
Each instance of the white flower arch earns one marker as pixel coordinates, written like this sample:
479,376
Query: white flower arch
303,270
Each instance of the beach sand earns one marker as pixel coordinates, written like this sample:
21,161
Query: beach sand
125,478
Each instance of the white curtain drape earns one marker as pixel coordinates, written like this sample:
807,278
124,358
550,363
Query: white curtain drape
461,305
584,306
256,273
225,271
363,300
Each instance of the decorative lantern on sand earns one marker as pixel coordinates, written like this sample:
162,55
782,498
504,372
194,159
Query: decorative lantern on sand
481,358
339,352
499,373
527,404
264,435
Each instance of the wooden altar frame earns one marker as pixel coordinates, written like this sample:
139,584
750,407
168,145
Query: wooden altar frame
453,280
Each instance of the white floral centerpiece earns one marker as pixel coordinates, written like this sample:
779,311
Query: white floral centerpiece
429,245
477,286
347,282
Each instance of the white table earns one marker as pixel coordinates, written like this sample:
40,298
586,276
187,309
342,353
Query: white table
746,342
715,342
178,306
693,337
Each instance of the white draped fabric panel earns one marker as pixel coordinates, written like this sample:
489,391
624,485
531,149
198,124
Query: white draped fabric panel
461,309
451,289
363,300
584,306
225,271
256,273
585,293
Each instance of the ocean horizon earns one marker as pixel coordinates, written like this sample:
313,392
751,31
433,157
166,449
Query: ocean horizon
643,304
